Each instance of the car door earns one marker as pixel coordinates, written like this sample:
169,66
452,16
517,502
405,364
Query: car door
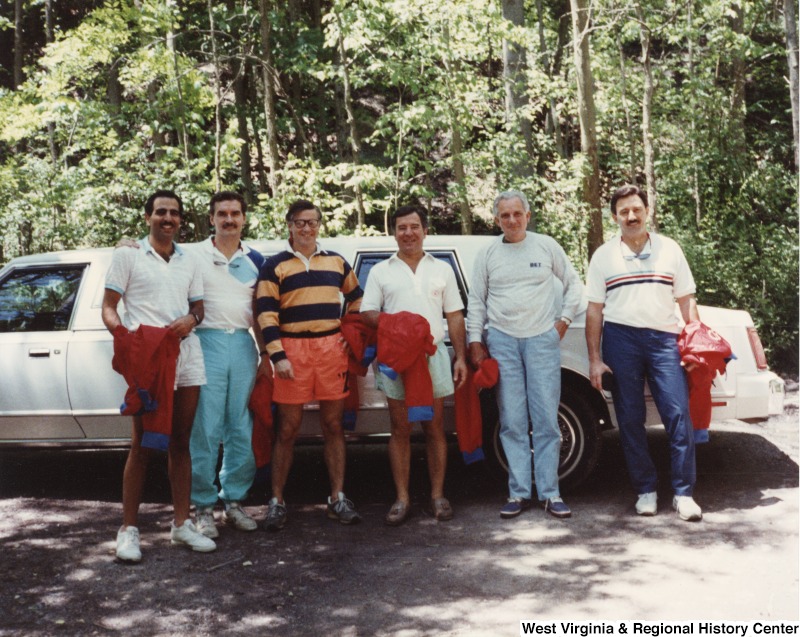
36,310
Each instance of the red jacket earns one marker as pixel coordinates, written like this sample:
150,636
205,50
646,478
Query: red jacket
263,423
362,341
404,340
147,360
469,420
710,353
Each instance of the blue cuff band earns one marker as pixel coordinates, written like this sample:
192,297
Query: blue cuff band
153,440
420,414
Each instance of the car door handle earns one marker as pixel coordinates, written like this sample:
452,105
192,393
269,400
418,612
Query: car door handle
39,353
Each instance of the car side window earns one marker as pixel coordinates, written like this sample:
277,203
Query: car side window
39,299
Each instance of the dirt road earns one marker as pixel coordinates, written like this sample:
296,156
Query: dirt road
476,575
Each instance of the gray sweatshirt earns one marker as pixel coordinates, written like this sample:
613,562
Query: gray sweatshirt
513,288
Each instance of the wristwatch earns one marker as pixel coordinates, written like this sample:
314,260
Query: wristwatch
568,321
196,318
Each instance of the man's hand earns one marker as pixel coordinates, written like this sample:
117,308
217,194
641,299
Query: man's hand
344,345
561,328
476,354
264,367
183,326
459,372
284,369
596,370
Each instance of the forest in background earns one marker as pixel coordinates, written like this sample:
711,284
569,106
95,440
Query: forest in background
363,105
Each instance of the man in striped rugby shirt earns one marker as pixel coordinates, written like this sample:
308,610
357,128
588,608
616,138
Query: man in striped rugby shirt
633,283
298,308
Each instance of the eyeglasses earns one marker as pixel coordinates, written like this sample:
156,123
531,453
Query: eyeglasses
630,255
313,224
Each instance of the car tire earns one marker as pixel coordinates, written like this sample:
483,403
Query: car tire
581,441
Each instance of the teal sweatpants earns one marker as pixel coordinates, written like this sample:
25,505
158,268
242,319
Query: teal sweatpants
231,360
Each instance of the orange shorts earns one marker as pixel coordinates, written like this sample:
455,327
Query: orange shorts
320,371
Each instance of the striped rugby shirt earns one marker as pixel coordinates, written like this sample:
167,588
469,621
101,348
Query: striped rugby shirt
640,292
300,298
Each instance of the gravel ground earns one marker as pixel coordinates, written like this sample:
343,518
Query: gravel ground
476,575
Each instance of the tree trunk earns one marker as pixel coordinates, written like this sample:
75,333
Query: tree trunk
240,97
261,172
623,87
790,17
455,135
647,110
19,78
514,66
693,111
218,100
552,120
183,132
736,132
49,32
355,143
270,113
586,114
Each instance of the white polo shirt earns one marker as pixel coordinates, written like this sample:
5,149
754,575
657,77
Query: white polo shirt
155,291
640,292
393,287
228,286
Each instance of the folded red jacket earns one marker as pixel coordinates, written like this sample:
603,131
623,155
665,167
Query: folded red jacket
709,353
147,360
404,342
263,422
362,340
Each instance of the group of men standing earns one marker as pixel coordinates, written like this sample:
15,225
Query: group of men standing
210,296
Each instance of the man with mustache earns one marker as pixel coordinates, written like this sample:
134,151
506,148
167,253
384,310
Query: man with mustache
230,271
633,283
162,287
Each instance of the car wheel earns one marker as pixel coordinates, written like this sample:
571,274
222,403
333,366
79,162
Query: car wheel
580,439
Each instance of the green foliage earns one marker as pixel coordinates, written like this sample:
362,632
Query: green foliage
125,101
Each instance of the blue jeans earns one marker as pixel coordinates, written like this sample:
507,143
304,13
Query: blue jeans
222,416
633,354
529,388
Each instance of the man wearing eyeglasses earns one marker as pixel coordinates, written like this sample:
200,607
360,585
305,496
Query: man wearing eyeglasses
633,283
298,308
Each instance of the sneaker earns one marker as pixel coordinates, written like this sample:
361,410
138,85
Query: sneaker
647,504
276,516
235,516
188,535
513,507
343,510
204,522
687,508
128,544
557,508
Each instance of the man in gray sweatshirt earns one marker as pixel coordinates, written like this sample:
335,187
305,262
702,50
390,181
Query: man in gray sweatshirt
513,293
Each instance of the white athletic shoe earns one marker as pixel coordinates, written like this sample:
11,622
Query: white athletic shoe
188,535
647,504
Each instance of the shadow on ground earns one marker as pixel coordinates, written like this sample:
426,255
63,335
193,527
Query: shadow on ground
474,575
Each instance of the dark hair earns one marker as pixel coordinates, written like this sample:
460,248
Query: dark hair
626,191
167,194
226,195
299,206
404,211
